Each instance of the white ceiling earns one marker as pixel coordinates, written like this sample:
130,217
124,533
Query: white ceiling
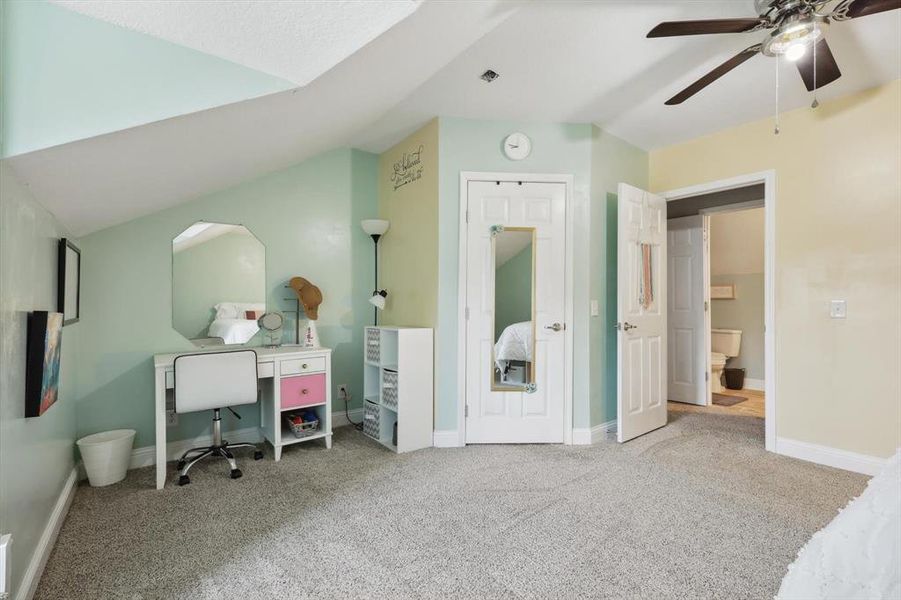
559,61
591,62
297,41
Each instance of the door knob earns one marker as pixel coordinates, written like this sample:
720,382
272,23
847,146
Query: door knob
554,326
626,326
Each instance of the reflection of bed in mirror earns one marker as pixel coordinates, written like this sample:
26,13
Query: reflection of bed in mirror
235,322
513,354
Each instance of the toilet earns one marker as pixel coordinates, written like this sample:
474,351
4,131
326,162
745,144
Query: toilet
724,344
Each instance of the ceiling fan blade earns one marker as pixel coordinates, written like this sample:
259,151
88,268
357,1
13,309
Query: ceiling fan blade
862,8
713,75
673,28
827,69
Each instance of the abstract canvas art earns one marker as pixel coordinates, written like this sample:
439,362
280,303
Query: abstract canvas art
42,357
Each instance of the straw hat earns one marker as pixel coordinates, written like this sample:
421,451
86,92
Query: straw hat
308,294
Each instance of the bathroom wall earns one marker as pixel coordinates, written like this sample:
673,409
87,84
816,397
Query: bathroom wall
838,236
36,454
736,258
307,216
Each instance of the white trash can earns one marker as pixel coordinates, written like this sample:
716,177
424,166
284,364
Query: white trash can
106,455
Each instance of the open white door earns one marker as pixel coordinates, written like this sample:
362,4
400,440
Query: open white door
641,313
688,311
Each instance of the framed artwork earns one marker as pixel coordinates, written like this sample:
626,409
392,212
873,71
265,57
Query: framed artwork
42,357
68,291
722,292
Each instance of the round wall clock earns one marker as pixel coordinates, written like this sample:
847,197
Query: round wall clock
517,146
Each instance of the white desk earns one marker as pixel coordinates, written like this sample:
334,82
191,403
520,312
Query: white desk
290,377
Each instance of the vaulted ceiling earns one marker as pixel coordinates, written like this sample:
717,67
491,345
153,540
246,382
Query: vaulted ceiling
559,61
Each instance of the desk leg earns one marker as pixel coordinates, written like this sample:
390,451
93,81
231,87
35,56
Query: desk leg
160,391
328,442
278,453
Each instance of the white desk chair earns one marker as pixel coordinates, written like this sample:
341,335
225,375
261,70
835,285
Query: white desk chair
215,380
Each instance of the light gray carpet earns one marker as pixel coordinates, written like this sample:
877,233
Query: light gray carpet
695,510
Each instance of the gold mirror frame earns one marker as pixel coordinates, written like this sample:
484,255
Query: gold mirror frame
528,387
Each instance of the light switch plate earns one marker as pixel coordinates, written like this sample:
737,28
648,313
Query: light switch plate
171,418
838,309
594,308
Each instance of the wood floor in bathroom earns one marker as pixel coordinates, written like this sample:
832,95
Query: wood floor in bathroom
752,407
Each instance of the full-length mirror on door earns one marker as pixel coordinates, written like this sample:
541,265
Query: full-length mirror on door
513,356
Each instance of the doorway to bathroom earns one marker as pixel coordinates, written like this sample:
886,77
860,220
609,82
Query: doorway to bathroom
720,309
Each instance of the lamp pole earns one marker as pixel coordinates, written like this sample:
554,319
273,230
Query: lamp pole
375,239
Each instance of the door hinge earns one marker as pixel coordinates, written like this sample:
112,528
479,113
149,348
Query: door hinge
706,375
466,312
466,410
706,306
467,215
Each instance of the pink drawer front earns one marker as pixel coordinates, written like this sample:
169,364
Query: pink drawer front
303,390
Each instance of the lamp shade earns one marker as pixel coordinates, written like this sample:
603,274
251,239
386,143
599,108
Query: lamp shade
374,226
378,299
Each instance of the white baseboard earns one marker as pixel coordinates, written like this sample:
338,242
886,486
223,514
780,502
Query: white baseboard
446,438
48,538
831,457
339,419
584,436
758,385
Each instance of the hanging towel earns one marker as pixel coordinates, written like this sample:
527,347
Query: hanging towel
646,293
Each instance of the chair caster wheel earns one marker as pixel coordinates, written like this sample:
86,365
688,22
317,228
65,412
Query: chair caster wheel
180,465
236,473
184,480
258,455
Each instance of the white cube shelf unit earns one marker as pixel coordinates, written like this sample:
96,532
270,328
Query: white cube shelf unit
398,388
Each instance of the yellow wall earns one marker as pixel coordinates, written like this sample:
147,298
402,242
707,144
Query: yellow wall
838,236
408,253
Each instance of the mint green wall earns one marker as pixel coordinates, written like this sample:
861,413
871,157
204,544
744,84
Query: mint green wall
613,161
66,76
475,145
308,218
36,455
227,268
513,291
746,313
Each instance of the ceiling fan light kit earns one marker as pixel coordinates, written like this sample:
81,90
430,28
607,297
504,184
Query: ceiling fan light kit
798,28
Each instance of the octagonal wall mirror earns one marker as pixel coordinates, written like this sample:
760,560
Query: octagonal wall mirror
218,284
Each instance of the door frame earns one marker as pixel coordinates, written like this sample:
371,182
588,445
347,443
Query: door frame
568,182
768,179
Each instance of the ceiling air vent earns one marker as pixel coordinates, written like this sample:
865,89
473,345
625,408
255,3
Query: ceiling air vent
490,75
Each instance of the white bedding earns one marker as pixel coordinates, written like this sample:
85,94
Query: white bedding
514,343
233,331
858,555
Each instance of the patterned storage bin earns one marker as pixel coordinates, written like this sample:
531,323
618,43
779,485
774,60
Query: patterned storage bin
371,419
389,388
372,345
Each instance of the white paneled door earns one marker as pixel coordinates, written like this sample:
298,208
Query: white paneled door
495,413
641,313
688,316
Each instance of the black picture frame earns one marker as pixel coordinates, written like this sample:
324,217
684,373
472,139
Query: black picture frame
67,253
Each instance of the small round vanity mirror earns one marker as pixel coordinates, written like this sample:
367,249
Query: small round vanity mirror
271,323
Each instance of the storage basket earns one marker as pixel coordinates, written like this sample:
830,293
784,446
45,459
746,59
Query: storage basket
302,430
372,345
389,388
371,419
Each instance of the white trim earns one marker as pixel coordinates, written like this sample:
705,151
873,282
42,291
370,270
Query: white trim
569,307
768,178
758,385
48,538
339,419
585,436
831,457
449,438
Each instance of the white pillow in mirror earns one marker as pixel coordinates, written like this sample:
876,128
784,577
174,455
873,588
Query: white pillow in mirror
236,310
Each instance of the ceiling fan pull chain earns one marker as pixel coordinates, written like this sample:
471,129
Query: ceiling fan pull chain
776,129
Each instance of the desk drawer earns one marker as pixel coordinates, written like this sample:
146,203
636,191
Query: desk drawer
302,390
296,366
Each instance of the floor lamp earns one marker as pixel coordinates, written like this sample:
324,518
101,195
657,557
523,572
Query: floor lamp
376,228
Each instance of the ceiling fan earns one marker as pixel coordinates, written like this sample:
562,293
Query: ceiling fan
797,25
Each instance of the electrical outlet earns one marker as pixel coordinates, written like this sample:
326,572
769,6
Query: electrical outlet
171,418
342,391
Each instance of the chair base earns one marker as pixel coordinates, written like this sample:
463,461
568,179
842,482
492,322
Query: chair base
223,450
